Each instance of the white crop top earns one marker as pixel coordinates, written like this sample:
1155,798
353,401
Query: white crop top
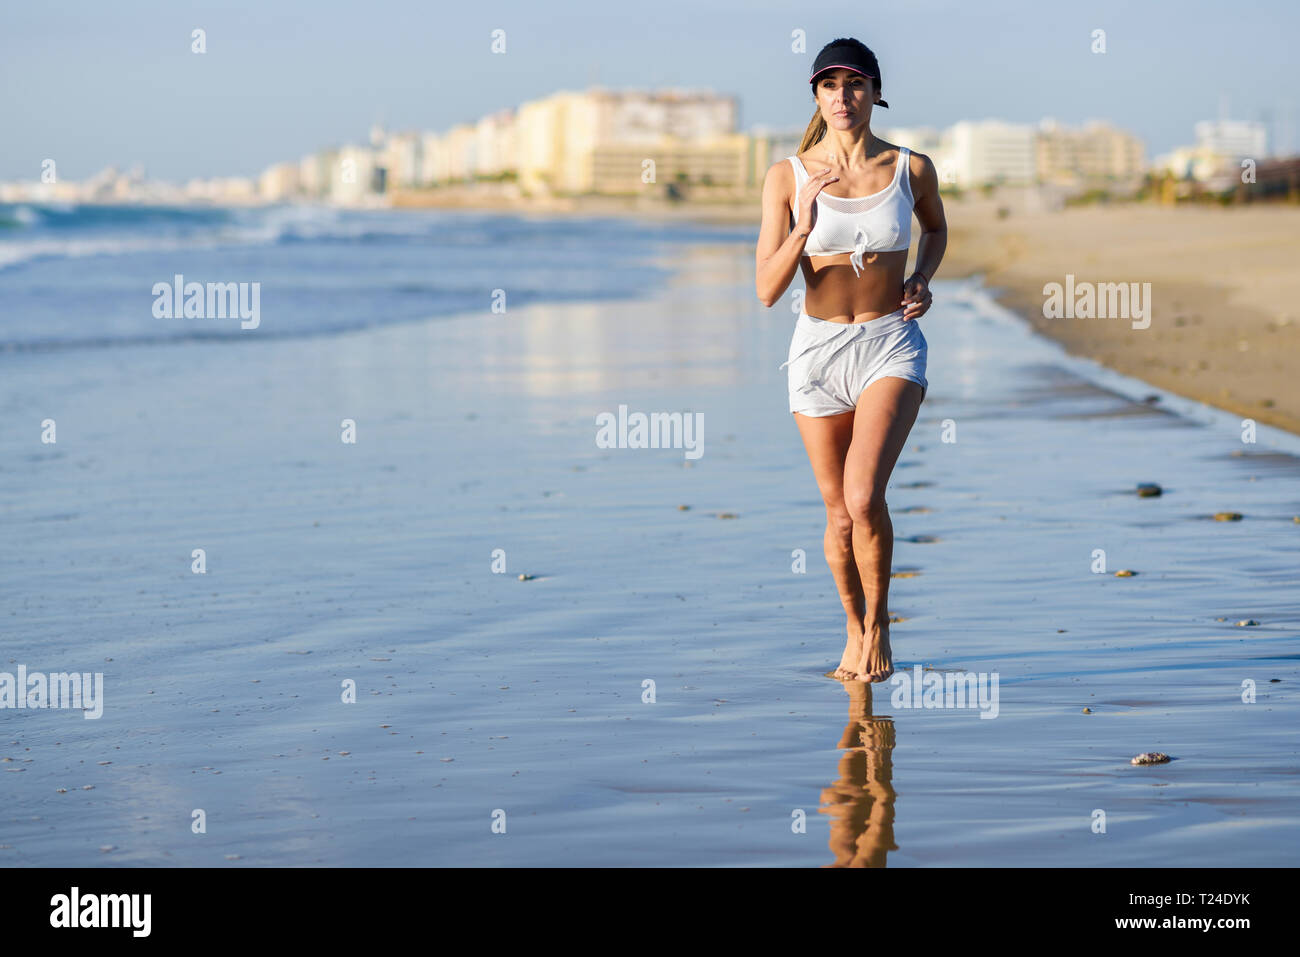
881,222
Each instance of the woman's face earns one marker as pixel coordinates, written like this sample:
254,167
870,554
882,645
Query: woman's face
845,98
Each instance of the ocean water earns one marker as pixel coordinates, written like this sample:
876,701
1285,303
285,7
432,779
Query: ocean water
653,692
84,275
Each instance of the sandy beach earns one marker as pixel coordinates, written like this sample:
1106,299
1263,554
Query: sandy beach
1225,293
652,692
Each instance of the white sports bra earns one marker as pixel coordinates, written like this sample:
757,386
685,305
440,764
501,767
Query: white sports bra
881,222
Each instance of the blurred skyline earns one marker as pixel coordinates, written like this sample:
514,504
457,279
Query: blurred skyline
93,85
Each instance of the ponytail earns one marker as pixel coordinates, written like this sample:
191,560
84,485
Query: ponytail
813,135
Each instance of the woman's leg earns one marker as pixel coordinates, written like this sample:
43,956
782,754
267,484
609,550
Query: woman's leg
886,411
827,440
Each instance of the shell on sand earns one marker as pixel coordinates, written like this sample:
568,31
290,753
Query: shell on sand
1151,757
1125,573
1227,516
1149,490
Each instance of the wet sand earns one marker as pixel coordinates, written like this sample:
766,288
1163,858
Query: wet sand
480,695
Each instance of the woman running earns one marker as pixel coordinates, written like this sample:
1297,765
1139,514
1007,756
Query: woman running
857,357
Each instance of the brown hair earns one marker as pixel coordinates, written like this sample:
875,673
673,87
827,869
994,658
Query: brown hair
813,135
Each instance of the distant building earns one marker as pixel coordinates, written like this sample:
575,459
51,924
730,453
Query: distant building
918,139
1220,146
1098,151
279,182
722,163
461,142
610,141
1232,139
772,145
354,176
314,174
1190,162
990,151
434,160
401,156
495,151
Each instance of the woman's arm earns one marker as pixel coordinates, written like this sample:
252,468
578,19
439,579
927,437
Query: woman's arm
779,249
934,237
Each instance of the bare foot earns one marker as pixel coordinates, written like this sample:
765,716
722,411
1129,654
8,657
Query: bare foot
852,650
877,660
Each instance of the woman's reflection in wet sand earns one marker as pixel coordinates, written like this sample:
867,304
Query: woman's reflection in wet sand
861,801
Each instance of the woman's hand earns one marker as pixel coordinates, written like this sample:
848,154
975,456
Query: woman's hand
916,297
805,202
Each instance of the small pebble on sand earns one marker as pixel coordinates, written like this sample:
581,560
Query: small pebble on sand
1151,757
1227,516
1087,711
1149,490
1247,623
526,578
1125,573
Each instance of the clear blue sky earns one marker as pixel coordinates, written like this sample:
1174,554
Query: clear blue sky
91,83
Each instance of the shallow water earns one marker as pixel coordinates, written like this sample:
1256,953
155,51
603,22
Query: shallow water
478,693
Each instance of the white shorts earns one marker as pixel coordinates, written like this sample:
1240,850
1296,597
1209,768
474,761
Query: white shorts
831,363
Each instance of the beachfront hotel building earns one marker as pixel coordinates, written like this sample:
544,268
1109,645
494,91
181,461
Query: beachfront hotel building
279,182
355,175
613,141
990,152
400,156
1096,152
314,174
494,144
